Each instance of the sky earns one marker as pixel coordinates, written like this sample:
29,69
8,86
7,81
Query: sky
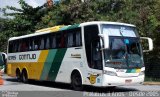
14,3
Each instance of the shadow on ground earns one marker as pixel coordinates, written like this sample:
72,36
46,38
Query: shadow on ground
68,87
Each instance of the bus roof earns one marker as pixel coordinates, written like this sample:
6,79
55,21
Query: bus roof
105,22
61,28
46,30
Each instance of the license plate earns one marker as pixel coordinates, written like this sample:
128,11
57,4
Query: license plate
127,81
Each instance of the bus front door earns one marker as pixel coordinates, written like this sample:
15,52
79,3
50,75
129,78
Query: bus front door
96,67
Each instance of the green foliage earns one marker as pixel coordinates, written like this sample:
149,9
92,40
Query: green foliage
23,21
145,14
25,18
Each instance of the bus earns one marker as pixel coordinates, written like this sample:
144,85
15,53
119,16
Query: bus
3,58
97,53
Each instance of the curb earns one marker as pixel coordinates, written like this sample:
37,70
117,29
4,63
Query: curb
151,83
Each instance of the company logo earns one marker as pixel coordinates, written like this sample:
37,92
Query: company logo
76,55
92,78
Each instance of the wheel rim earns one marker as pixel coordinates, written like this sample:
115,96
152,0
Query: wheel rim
24,77
77,81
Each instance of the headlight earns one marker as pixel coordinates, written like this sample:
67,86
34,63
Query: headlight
141,73
110,73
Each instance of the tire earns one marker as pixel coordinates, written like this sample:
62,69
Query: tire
111,88
24,76
76,81
18,75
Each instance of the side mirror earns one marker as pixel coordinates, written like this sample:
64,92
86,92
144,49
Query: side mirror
150,43
105,39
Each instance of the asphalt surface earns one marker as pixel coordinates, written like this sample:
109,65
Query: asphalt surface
12,88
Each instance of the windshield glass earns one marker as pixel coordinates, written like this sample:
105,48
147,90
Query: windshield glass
119,30
124,52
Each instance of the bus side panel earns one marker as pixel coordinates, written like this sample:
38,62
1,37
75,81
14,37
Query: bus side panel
11,69
33,66
57,60
37,67
47,64
73,59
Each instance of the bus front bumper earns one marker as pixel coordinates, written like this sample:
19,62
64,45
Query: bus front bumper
118,81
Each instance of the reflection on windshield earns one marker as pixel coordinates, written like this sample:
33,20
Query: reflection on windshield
133,47
118,48
125,51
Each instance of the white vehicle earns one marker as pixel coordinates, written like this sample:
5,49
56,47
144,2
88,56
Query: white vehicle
95,53
3,58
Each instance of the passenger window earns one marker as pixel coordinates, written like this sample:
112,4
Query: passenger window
19,45
70,40
11,47
53,43
30,45
42,44
78,39
58,39
47,43
36,44
74,38
62,41
23,46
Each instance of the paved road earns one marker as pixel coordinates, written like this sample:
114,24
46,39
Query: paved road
38,87
11,84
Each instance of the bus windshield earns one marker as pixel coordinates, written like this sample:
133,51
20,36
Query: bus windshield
124,52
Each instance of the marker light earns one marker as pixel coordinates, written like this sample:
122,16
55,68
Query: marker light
110,73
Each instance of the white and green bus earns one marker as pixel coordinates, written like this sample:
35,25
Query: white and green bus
94,53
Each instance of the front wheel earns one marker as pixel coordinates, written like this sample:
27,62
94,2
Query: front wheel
76,81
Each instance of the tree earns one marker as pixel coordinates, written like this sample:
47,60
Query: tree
25,18
142,13
23,21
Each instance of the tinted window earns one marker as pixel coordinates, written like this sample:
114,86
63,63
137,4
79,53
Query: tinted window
62,39
92,46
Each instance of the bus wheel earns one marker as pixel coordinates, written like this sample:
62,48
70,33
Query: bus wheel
111,88
24,76
18,75
76,81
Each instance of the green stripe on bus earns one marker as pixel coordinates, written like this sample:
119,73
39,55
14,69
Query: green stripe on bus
73,26
56,64
48,63
69,27
64,28
131,71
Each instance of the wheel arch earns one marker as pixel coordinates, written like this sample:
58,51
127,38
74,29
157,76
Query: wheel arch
18,69
74,71
25,69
